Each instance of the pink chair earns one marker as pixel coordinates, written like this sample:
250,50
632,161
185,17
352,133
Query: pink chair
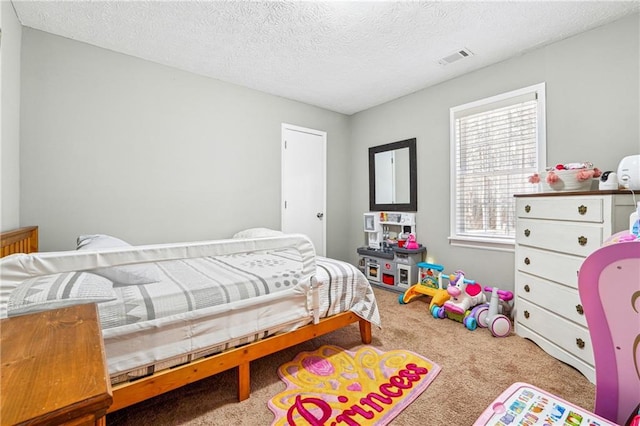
609,287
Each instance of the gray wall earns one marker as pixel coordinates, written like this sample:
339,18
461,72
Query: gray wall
10,89
592,87
118,145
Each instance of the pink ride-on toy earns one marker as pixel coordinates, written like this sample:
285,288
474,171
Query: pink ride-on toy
465,294
490,315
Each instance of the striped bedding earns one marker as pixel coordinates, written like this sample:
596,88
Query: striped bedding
341,287
197,283
191,284
212,295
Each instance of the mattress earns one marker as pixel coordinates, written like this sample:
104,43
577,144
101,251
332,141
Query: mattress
211,296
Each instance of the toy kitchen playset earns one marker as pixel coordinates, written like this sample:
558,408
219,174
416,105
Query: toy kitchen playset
387,261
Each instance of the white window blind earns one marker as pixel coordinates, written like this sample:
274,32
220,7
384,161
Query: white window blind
496,143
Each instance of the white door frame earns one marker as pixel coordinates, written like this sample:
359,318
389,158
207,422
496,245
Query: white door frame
285,126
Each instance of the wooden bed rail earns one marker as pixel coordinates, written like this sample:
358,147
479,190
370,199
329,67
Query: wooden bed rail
22,240
129,393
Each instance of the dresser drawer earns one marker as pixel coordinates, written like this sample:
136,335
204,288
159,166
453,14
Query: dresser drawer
557,352
562,300
580,239
575,209
567,335
560,268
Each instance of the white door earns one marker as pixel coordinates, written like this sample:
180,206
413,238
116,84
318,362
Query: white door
304,183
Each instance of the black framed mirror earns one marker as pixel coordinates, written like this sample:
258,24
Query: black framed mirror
393,177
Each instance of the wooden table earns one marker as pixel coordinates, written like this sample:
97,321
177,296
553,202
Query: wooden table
53,368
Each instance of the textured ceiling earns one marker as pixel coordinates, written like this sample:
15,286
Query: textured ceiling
342,56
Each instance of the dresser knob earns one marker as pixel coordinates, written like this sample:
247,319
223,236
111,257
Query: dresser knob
526,314
527,232
527,208
582,210
526,261
582,240
580,343
527,288
579,309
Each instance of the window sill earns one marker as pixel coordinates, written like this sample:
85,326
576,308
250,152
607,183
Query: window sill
483,243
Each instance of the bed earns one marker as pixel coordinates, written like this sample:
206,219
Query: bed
205,307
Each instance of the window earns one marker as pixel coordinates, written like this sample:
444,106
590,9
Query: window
496,144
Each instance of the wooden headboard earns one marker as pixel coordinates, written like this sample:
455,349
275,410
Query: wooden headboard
22,240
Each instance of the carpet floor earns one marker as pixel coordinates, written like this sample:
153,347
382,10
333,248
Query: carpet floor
476,367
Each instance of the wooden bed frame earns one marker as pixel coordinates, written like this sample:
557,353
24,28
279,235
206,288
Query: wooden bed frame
25,240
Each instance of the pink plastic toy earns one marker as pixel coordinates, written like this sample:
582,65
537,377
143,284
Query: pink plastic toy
411,243
464,294
492,315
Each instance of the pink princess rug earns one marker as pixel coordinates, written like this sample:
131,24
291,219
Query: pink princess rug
332,386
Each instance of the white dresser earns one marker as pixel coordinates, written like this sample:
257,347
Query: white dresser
554,233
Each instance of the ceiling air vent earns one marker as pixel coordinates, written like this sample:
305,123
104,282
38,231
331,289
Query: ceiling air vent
456,56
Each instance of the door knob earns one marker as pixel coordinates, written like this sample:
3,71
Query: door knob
319,215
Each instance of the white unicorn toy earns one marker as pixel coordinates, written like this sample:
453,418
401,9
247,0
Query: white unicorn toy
464,294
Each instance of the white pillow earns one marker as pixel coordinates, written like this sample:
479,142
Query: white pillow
258,233
143,273
98,241
58,291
